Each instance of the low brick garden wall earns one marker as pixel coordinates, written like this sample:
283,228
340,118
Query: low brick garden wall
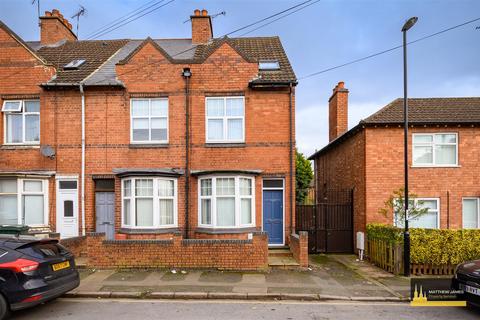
227,254
299,247
76,245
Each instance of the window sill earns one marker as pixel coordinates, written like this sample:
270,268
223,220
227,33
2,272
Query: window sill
148,230
147,145
211,230
225,145
19,146
433,166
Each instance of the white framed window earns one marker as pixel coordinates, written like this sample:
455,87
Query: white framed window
470,213
429,220
149,120
149,202
225,119
437,149
21,121
268,65
226,202
24,201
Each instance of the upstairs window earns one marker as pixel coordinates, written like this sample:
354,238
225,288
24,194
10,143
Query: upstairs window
225,119
439,149
22,121
149,120
268,65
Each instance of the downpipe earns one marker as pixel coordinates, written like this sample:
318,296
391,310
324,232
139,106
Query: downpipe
82,192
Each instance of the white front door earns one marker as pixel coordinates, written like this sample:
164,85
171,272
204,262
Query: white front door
67,208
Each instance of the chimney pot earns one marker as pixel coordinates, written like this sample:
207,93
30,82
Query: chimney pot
341,84
54,27
201,27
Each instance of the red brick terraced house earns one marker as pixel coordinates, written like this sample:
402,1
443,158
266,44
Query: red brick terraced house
443,148
165,140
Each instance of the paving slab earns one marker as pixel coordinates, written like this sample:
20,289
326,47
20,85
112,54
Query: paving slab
253,279
222,277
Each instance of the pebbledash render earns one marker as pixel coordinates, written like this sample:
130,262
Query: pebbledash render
443,159
151,139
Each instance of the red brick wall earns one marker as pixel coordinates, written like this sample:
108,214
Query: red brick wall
201,29
77,246
299,248
384,172
338,112
108,127
179,253
343,167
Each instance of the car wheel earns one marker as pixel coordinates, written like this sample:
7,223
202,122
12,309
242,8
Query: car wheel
4,310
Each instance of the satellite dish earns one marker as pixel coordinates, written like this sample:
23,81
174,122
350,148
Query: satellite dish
47,151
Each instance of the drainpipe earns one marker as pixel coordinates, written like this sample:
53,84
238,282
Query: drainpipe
186,75
290,105
82,192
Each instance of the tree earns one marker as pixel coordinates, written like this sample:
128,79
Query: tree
304,176
396,204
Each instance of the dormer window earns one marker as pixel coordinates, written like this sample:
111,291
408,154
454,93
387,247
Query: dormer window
269,65
74,64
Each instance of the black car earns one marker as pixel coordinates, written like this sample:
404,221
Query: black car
33,271
467,279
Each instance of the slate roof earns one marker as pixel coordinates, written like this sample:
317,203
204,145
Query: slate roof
421,111
102,55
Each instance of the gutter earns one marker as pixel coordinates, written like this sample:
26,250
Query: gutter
82,197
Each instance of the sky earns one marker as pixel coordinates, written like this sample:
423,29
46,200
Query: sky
323,35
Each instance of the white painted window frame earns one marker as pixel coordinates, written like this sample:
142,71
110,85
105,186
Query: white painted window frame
156,203
225,119
477,199
24,114
20,193
237,196
433,144
416,200
149,117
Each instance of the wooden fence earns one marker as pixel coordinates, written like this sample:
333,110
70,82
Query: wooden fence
389,257
385,255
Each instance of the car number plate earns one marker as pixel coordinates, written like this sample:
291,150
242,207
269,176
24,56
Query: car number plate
61,265
469,289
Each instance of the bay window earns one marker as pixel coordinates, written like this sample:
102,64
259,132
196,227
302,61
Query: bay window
149,120
225,119
149,202
21,121
226,202
439,149
24,201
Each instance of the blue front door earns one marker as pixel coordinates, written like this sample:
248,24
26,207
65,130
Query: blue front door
273,215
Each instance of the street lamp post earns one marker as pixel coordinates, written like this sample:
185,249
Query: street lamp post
406,234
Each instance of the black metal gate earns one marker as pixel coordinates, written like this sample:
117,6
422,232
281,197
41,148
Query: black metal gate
329,223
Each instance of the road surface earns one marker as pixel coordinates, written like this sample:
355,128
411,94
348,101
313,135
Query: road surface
105,309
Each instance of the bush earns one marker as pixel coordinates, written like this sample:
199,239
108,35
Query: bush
432,246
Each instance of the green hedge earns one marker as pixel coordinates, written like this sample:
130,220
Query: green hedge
432,246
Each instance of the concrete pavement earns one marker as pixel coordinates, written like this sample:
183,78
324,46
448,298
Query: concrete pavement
330,277
95,309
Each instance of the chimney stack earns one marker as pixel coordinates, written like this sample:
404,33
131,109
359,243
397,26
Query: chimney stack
338,111
202,30
54,27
